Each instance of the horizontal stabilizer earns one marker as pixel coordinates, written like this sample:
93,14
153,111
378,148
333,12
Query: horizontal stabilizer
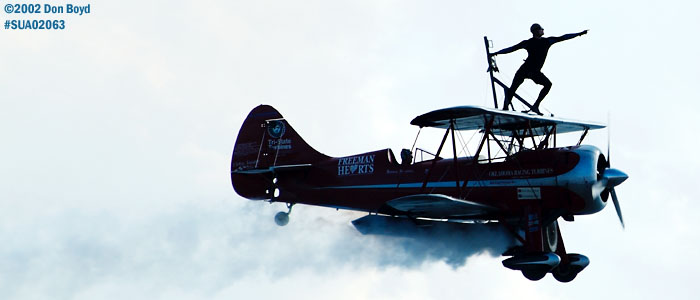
275,169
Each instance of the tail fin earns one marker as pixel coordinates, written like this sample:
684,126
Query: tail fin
266,141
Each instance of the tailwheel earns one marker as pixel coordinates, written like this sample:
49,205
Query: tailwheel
534,275
282,218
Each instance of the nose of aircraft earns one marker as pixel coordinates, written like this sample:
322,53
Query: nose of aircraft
607,183
613,177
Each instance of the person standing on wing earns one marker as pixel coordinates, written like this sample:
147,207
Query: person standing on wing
537,48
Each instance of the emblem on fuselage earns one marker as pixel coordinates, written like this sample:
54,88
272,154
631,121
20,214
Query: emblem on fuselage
356,165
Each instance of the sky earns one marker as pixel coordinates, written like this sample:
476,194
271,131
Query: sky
117,135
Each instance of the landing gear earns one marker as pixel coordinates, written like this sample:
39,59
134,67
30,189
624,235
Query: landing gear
550,237
533,266
564,273
282,218
567,272
536,266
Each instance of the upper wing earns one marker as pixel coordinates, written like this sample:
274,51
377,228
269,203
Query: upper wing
437,206
505,123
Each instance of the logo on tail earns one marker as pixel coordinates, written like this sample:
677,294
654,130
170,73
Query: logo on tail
276,129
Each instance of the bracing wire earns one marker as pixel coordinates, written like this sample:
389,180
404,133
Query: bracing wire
465,145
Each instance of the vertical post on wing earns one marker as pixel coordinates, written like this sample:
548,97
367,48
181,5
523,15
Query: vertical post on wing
491,69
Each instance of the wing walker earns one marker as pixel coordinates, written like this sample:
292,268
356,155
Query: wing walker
517,176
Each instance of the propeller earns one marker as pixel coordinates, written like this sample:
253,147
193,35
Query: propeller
612,178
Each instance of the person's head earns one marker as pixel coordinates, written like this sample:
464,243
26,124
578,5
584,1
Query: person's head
537,30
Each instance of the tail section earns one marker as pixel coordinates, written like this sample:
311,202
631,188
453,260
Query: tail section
266,142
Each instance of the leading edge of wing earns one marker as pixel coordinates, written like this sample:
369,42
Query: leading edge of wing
504,122
438,206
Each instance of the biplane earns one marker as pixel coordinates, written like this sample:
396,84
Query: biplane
517,177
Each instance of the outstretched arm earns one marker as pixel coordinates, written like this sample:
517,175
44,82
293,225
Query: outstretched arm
569,36
509,49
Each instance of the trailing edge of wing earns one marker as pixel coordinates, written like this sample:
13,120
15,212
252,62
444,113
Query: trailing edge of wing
438,206
505,123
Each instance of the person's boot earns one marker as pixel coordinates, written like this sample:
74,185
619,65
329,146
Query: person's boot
536,110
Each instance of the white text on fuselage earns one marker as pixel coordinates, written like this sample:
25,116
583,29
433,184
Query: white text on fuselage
524,172
280,144
356,165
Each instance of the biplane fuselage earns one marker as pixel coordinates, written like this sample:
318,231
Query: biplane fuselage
559,178
526,190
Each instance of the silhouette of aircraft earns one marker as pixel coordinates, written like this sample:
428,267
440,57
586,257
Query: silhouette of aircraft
517,177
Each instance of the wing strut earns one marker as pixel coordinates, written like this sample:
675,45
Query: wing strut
454,159
437,157
545,142
583,136
484,140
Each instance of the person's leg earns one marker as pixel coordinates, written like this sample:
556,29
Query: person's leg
518,79
546,86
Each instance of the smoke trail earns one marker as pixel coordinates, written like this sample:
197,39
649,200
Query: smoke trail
420,240
205,246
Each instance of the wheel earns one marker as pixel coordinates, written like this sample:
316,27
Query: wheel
550,237
282,218
564,273
534,275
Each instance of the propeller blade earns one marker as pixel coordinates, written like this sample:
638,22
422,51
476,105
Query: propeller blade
617,207
609,125
608,157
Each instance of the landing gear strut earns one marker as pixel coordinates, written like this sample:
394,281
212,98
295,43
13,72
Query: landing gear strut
282,218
